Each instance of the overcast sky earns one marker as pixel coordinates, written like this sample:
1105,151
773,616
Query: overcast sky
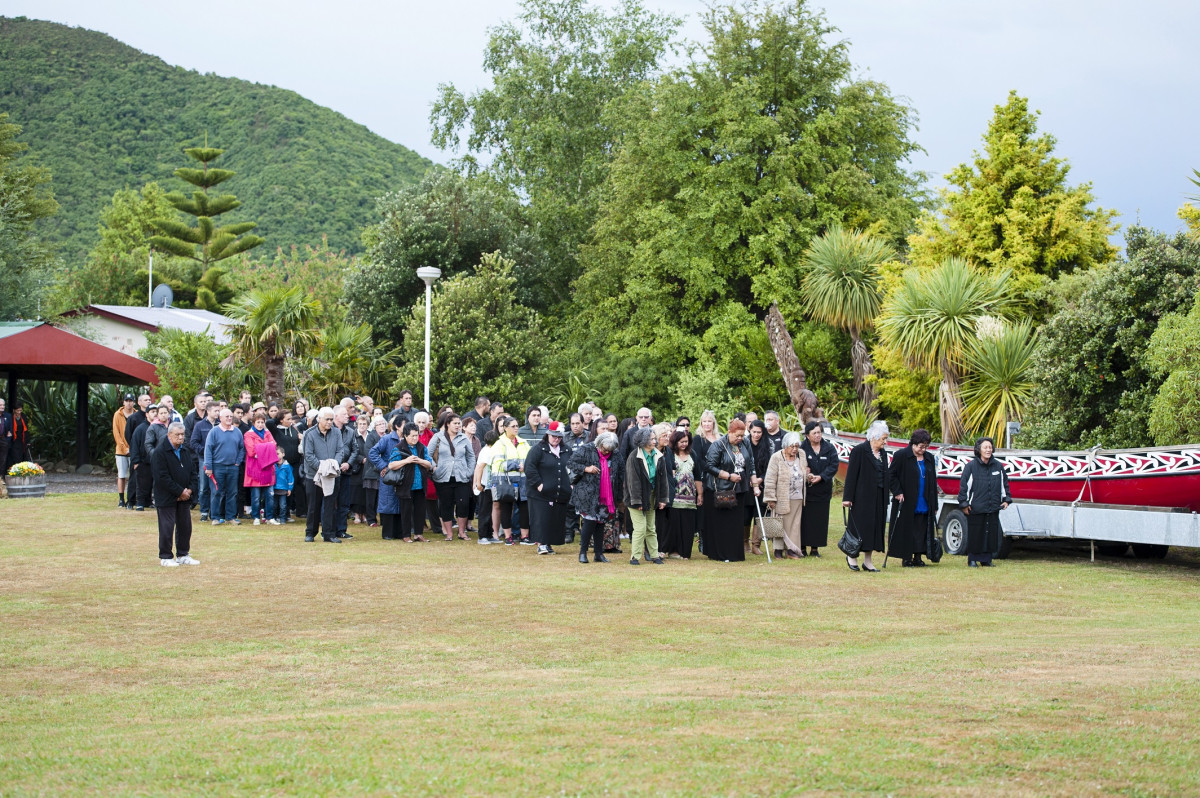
1113,80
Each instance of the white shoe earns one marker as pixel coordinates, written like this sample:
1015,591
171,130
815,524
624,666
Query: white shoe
257,522
187,560
486,541
543,549
169,563
274,521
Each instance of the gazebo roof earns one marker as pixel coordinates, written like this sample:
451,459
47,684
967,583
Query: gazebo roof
36,350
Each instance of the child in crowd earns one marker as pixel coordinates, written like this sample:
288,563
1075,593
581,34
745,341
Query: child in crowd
284,482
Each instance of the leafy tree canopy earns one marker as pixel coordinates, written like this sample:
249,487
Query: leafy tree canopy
1012,207
448,221
1093,384
728,168
26,260
547,120
1174,351
505,342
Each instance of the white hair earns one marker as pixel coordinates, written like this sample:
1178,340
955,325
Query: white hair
877,430
325,410
790,439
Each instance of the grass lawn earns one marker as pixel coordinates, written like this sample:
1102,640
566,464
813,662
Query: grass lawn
379,667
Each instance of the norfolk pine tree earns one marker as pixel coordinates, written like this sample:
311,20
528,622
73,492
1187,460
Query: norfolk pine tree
205,243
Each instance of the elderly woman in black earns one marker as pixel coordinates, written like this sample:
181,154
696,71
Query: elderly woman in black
549,480
866,494
729,465
760,449
982,494
913,478
597,474
822,460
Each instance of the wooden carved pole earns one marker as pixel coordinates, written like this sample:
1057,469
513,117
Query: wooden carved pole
803,400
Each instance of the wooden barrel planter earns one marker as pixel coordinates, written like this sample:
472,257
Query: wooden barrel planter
26,487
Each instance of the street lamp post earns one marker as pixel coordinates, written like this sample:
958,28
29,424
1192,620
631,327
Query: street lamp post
428,274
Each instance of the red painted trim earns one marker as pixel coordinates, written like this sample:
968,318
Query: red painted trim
45,348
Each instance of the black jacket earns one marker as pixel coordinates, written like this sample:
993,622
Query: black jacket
868,488
155,434
552,473
823,463
171,474
720,458
637,481
585,497
984,487
288,438
904,477
137,446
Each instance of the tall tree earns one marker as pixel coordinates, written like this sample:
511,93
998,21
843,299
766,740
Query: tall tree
932,320
1013,208
274,325
1000,377
27,262
729,167
841,287
546,125
206,243
448,221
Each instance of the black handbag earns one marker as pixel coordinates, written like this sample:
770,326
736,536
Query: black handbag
850,543
726,498
933,546
394,477
507,489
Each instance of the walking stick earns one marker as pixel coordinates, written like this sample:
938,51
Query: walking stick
767,543
891,529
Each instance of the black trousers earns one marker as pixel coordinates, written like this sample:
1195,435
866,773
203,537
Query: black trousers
372,501
484,503
412,513
506,512
174,526
591,532
322,510
298,501
454,499
343,492
145,485
387,522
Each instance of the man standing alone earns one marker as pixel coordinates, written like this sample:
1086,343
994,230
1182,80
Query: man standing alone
174,468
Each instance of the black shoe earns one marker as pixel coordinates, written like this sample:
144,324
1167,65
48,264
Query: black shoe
908,564
310,539
972,564
344,536
988,564
850,565
570,538
634,561
870,570
601,558
121,504
331,540
918,562
657,561
814,553
583,558
140,509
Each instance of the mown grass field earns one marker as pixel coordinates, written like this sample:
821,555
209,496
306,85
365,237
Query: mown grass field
378,667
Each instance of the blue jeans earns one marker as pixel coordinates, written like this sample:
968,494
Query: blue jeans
261,499
224,497
203,499
281,507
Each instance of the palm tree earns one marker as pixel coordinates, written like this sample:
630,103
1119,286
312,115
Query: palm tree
841,288
931,320
1001,378
347,360
274,324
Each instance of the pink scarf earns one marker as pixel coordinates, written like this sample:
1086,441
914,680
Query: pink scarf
606,496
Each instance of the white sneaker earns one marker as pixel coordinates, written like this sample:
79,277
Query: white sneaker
542,549
257,522
274,521
169,563
486,541
187,560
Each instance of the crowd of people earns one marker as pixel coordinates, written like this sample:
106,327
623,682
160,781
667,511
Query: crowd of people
662,489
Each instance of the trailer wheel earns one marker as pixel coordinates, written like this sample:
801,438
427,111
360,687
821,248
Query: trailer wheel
954,532
1149,551
1005,548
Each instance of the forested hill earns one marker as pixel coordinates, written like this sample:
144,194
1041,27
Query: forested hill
104,116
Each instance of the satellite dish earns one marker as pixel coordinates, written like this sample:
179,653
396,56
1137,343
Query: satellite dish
162,297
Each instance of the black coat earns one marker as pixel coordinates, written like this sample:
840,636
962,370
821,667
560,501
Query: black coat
637,481
155,434
906,537
720,458
288,439
867,487
984,487
552,473
137,445
585,497
171,474
824,463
